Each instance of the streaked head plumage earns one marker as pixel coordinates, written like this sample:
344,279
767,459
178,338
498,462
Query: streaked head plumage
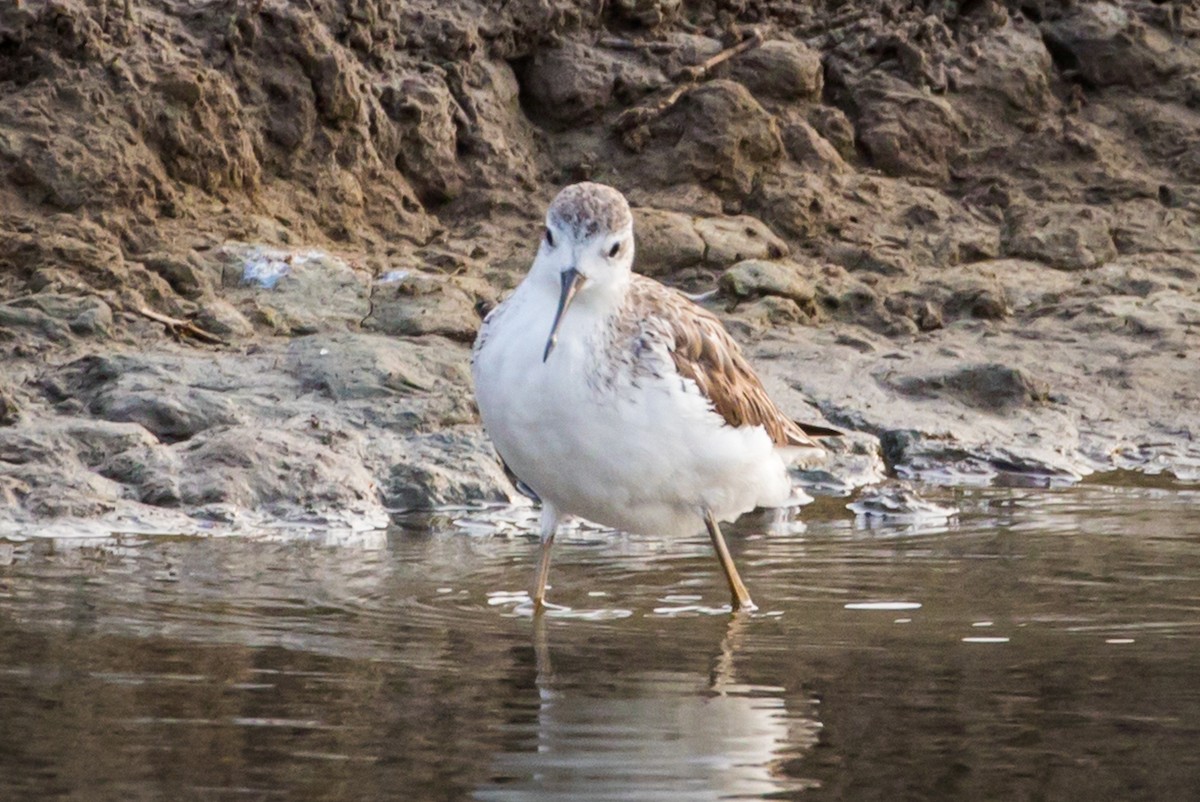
587,209
587,249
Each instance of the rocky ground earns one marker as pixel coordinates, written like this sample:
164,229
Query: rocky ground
245,244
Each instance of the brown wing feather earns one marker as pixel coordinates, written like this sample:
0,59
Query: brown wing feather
704,352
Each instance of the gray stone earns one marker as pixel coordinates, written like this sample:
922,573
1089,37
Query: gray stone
807,147
365,366
420,304
569,83
41,469
95,321
665,242
83,314
152,472
423,111
222,319
1012,69
754,278
160,395
835,127
447,467
1063,236
1108,46
991,386
732,239
905,132
189,274
648,13
717,134
10,410
258,467
781,70
299,292
14,318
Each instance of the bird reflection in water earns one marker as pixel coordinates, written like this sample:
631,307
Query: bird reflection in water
652,734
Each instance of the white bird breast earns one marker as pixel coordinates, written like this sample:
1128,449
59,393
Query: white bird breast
640,453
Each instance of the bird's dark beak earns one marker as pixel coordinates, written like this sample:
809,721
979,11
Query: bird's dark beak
572,280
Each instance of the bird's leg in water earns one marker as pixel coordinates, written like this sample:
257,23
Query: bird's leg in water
740,597
549,527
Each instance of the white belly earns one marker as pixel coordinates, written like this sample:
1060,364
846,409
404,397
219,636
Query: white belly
642,456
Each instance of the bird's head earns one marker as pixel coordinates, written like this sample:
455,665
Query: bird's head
586,249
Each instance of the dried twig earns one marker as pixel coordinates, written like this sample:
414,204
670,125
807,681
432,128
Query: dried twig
640,115
618,43
699,71
688,78
180,328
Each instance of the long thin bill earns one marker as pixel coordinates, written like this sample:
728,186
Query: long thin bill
572,280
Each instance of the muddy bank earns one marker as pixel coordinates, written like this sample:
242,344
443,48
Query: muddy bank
969,233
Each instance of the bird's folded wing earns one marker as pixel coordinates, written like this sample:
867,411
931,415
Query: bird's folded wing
704,352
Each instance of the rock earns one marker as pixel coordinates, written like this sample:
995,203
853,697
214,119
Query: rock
847,299
40,466
170,413
500,145
755,278
1063,236
366,366
152,472
222,319
977,299
263,468
881,260
926,315
898,502
570,83
732,239
781,70
992,387
95,442
835,127
425,148
155,394
94,321
807,147
689,49
908,133
193,121
295,292
648,13
718,134
1012,70
189,275
769,311
86,316
10,410
1107,46
12,492
15,318
665,241
915,455
448,467
420,304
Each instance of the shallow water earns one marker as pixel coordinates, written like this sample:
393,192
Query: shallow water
1041,644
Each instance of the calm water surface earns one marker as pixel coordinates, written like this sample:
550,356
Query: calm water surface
1044,644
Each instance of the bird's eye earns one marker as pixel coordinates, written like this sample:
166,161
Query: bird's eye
614,250
549,238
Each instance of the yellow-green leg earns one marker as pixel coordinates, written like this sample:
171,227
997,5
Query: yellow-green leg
740,597
549,528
